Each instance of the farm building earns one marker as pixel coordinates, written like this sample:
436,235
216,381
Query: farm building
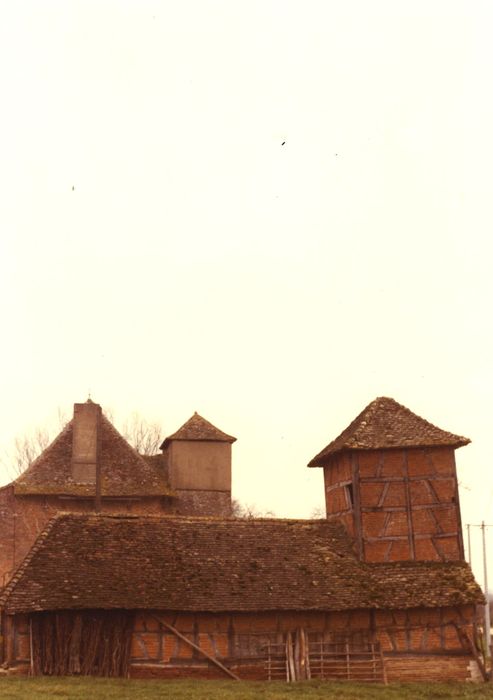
161,582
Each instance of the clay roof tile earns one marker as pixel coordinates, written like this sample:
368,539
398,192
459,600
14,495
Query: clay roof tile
204,564
198,428
386,424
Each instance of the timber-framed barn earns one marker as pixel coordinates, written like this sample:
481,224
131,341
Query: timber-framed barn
119,565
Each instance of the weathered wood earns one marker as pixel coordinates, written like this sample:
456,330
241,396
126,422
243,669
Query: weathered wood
289,656
9,638
196,647
31,654
87,643
421,477
409,508
357,505
306,656
297,656
468,642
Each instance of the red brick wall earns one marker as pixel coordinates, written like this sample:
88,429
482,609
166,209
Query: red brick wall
405,502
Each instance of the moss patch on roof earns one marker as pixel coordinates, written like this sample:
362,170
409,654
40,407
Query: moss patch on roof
199,564
386,424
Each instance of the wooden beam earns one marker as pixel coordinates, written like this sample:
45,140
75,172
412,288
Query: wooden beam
409,508
421,477
467,641
197,648
357,505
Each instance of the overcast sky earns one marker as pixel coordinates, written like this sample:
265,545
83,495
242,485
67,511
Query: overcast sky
266,211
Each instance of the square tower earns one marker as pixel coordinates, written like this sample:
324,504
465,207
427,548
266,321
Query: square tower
198,457
390,477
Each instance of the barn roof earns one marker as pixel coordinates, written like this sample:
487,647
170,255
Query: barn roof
123,471
199,564
198,428
386,424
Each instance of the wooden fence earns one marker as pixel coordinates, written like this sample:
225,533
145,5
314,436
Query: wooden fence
297,659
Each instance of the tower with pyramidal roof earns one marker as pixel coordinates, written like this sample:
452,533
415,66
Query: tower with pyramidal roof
391,478
198,458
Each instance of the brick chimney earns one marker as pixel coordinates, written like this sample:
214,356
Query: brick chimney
85,442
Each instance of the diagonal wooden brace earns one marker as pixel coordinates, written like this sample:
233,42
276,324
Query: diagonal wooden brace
197,648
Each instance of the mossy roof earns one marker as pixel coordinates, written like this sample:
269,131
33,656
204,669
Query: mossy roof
205,564
386,424
198,428
124,473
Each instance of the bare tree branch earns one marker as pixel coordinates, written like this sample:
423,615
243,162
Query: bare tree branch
26,449
145,437
248,511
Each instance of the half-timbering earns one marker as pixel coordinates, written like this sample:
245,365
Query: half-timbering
377,591
111,595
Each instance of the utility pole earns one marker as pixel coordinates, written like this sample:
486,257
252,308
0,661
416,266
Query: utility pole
487,623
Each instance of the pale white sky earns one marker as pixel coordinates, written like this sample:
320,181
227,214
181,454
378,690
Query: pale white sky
162,248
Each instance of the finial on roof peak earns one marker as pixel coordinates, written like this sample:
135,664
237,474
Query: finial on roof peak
198,428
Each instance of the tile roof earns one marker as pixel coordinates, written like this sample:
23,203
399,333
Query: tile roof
198,428
199,564
386,424
124,472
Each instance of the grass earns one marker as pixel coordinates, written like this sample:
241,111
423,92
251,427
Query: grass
110,689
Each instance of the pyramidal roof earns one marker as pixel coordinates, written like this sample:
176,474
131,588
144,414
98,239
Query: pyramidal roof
386,424
198,428
123,471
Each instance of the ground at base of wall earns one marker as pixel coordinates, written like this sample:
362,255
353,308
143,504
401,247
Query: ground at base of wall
119,689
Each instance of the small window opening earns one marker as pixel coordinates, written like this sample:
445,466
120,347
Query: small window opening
349,495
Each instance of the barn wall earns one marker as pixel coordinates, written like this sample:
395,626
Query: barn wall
239,639
418,644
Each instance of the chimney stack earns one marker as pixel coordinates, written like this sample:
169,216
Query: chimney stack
85,442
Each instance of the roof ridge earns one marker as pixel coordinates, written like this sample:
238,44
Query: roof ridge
213,520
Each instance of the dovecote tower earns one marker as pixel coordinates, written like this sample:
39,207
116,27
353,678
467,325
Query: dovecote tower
391,478
198,458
